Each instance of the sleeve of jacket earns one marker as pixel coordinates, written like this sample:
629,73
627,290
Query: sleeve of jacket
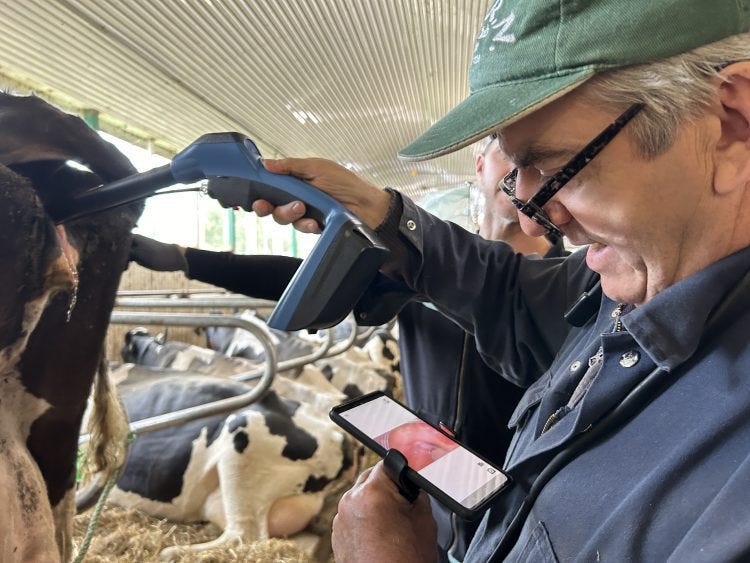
259,276
513,305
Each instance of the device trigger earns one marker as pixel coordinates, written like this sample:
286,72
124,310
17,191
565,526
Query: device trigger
395,466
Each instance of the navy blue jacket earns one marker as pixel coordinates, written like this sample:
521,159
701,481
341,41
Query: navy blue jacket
669,483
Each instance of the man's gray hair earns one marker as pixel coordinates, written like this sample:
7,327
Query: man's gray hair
673,90
481,146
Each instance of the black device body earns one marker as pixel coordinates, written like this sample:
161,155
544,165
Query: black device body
437,463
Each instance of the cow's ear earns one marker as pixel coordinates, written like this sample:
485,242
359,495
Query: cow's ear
160,338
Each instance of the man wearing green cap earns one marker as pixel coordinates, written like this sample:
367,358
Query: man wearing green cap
628,124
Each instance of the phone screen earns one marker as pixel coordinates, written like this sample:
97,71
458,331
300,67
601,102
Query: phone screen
456,471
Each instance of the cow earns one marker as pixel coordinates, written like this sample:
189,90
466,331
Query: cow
141,348
263,471
372,364
59,287
236,342
357,371
182,472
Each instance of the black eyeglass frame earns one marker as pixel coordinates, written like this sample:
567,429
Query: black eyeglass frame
533,207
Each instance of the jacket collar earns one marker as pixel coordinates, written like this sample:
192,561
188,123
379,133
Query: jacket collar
669,327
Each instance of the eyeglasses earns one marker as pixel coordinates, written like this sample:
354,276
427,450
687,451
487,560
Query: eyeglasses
533,208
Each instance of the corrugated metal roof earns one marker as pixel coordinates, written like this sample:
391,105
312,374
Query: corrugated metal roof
349,80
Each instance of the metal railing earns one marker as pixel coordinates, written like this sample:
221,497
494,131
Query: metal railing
256,327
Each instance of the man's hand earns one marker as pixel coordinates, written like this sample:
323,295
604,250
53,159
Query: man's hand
375,523
156,255
365,200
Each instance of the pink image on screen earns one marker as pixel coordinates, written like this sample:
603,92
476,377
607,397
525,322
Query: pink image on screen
420,443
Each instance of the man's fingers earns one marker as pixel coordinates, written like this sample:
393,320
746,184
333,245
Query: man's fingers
262,208
307,226
282,214
363,476
299,167
276,166
289,213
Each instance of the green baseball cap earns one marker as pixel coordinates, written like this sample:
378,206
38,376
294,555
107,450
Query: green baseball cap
531,52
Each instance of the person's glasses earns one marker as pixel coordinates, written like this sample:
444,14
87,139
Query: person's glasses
533,207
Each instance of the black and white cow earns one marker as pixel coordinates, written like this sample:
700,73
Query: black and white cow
259,472
176,472
357,371
142,348
236,342
59,286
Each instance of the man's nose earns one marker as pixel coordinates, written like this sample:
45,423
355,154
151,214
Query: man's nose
531,227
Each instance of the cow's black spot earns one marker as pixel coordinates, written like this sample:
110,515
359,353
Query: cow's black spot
235,422
347,457
327,370
292,406
351,391
387,354
241,441
277,416
315,484
300,444
157,461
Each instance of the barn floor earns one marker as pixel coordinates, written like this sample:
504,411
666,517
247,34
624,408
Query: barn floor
130,535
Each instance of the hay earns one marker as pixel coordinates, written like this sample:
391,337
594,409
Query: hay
126,535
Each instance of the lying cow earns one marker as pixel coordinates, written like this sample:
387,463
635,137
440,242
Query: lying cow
355,372
236,342
262,471
140,347
59,287
362,370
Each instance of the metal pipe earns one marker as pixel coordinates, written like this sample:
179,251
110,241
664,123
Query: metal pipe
292,363
347,343
254,326
230,302
179,292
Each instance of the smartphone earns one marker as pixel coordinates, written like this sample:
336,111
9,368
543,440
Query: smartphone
448,471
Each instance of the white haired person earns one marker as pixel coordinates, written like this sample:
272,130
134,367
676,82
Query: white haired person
628,125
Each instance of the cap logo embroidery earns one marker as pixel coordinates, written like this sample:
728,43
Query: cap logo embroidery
495,23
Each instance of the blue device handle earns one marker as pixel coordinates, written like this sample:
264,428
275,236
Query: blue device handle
233,166
237,178
330,280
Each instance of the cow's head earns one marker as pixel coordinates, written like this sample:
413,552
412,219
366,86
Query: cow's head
138,342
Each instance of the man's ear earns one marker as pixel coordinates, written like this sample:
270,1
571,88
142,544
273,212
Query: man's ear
479,164
733,148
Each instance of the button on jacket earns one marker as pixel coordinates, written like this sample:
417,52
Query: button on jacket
670,484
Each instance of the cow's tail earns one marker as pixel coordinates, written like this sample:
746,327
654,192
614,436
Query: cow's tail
107,425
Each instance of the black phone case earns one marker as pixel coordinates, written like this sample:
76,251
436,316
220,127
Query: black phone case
413,476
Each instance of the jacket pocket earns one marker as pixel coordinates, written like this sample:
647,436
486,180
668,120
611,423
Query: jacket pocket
537,548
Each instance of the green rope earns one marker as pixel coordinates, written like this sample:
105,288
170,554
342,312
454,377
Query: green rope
94,522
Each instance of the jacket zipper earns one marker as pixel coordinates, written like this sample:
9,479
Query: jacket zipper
594,360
